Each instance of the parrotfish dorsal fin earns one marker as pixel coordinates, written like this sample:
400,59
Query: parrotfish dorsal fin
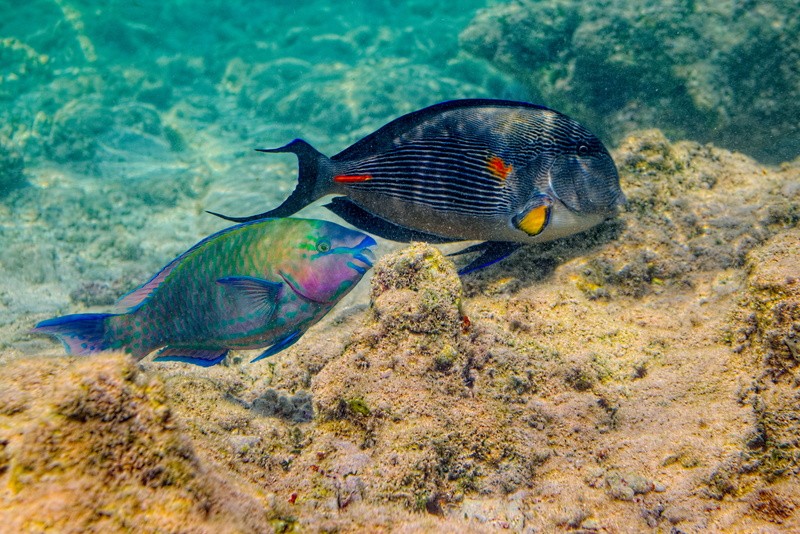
136,298
133,300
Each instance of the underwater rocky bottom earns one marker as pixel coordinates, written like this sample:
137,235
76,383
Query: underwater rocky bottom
640,377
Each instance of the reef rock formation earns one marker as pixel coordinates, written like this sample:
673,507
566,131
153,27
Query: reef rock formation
700,69
92,446
641,376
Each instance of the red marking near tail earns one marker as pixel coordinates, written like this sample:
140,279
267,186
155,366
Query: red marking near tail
499,168
351,178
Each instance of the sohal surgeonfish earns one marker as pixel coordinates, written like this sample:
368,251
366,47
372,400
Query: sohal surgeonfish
505,173
250,286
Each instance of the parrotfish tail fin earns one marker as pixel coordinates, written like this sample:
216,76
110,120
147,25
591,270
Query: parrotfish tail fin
310,184
81,334
491,253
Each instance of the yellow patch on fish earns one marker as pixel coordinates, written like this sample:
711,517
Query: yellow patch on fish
498,168
534,222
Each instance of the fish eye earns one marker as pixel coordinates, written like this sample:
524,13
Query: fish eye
583,150
323,246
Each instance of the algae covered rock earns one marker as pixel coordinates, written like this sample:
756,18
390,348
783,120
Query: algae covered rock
93,445
773,326
767,332
417,290
691,208
703,70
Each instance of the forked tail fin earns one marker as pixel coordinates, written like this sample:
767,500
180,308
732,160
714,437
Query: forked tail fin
83,333
310,161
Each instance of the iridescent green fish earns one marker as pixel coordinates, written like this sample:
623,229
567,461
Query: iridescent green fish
250,286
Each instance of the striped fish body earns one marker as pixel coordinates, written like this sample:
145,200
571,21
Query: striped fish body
506,173
254,285
476,169
491,170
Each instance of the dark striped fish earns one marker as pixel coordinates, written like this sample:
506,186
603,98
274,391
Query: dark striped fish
506,173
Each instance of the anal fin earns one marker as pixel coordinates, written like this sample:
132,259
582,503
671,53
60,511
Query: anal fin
366,221
201,357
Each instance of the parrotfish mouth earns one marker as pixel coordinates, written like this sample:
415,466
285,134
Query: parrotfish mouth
363,255
366,257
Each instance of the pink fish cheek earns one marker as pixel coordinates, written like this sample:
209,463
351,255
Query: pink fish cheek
314,281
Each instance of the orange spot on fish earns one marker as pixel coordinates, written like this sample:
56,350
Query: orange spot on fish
351,178
498,168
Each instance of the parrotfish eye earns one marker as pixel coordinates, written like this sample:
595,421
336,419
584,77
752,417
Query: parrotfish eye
323,245
583,150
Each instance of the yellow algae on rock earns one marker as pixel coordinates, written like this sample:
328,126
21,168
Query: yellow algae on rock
417,290
92,445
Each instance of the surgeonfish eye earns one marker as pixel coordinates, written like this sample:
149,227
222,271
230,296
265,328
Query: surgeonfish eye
323,245
583,150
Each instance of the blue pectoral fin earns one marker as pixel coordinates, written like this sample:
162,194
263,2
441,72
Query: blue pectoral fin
283,343
201,357
491,252
255,295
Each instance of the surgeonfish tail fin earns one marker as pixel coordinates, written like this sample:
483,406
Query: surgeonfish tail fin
309,185
83,333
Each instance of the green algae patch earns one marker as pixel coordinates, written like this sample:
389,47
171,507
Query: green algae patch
357,407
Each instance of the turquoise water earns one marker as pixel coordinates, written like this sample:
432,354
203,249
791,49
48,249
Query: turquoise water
121,122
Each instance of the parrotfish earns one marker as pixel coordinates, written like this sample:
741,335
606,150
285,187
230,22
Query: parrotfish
254,285
502,172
